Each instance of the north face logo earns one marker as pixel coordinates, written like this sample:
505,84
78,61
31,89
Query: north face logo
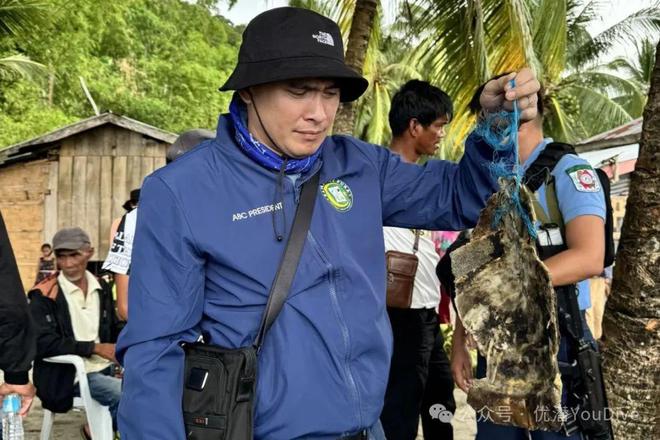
324,37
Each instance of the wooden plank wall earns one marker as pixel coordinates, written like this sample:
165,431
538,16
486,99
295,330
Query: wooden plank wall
96,172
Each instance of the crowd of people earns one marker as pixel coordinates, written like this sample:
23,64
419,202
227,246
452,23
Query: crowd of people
202,241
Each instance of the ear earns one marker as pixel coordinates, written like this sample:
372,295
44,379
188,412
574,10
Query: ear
414,127
246,96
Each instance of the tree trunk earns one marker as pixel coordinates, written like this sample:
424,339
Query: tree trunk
632,318
356,51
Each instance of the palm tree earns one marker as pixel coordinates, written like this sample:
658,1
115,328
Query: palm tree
465,41
632,315
386,73
638,71
460,43
19,17
21,66
589,97
639,68
362,27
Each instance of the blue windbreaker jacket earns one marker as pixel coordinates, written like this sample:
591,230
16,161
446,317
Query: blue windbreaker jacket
205,255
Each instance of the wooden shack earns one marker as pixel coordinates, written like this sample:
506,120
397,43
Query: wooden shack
78,175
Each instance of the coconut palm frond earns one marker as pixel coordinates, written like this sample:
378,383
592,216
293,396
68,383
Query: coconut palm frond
21,16
21,66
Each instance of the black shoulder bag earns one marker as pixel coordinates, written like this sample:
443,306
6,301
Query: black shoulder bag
219,383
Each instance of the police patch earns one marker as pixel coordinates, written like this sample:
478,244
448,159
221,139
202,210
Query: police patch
584,178
338,194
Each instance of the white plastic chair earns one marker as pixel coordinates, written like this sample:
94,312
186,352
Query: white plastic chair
98,416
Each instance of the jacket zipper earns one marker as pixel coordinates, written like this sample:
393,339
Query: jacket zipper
342,325
355,394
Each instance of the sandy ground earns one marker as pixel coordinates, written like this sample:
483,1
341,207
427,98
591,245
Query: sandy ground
65,426
464,421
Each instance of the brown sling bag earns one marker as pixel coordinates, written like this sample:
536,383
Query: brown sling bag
401,270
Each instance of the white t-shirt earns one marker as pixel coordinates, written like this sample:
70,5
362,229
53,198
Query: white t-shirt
426,292
119,255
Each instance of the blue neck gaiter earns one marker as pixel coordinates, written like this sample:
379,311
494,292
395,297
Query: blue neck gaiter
260,153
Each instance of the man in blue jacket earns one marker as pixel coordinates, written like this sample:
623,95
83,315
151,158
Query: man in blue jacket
213,226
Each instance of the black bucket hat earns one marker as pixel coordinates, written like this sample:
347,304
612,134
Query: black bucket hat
293,43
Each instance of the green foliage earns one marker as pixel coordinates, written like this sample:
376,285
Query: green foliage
19,17
20,66
638,68
157,61
161,61
464,42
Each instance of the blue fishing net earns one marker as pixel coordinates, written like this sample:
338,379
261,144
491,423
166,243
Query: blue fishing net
500,131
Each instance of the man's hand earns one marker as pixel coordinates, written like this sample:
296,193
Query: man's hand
106,351
461,363
498,94
26,392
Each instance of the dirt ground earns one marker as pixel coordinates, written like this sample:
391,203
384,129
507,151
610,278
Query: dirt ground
65,426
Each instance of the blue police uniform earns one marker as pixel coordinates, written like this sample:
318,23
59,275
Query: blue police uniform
578,193
574,198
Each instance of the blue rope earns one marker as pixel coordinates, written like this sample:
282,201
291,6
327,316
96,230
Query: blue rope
500,131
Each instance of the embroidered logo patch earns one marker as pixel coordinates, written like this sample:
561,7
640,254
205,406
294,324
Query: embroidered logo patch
324,37
584,178
338,194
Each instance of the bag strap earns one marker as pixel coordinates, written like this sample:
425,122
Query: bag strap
417,233
552,202
289,263
540,170
539,173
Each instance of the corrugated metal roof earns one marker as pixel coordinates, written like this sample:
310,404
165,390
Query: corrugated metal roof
631,128
599,158
25,150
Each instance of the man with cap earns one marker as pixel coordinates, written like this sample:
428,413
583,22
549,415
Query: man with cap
118,260
214,224
74,313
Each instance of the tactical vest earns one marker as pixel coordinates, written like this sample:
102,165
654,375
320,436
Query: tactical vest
552,223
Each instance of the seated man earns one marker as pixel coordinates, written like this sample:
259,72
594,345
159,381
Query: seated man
74,313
